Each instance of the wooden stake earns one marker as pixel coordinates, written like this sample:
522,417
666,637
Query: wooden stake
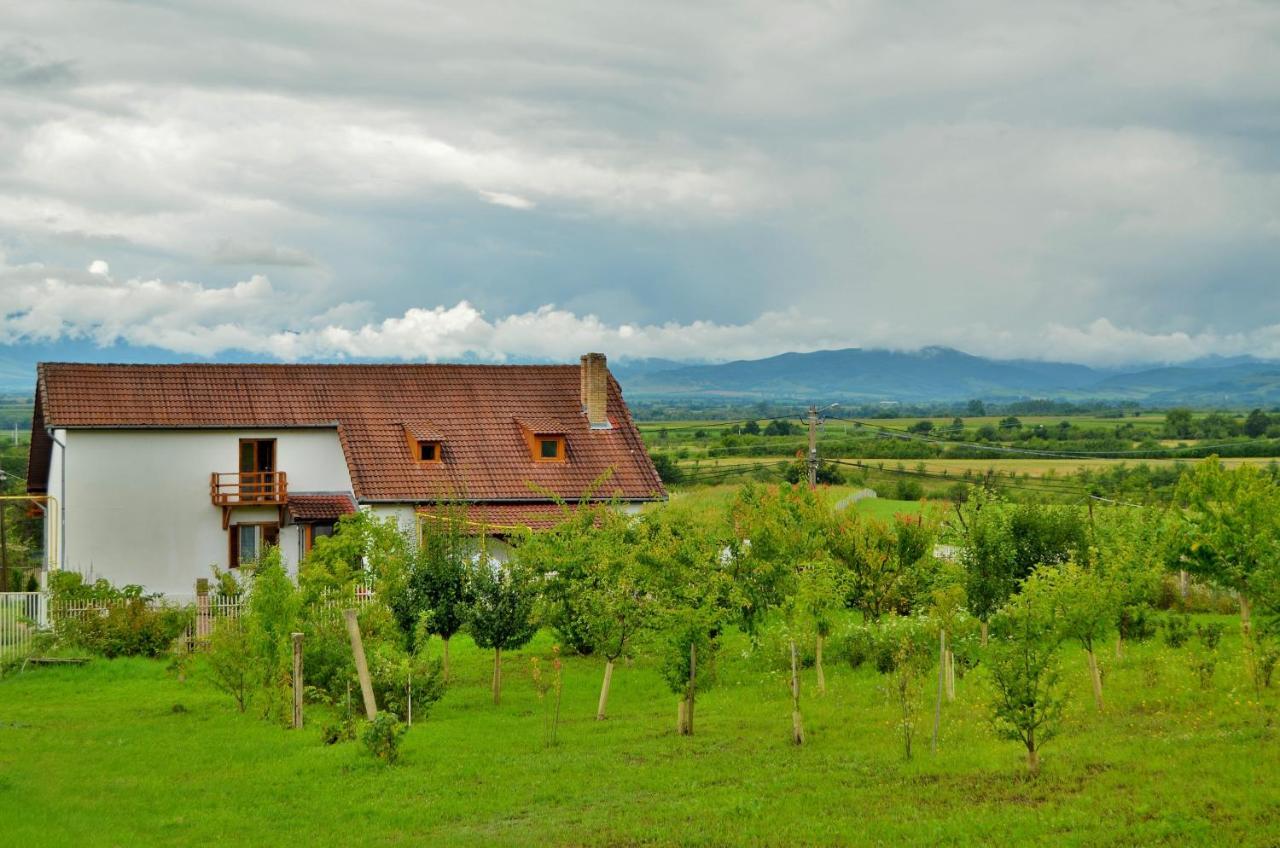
604,690
446,660
983,626
297,681
951,675
797,721
822,677
497,675
1096,676
937,709
690,691
362,666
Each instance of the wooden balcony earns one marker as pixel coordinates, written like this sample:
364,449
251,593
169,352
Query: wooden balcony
230,489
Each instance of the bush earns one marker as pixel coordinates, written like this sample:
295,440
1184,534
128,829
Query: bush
129,628
855,645
1135,623
381,737
231,662
1177,630
908,490
1209,634
391,671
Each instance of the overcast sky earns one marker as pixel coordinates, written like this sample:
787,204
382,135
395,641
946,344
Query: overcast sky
1095,182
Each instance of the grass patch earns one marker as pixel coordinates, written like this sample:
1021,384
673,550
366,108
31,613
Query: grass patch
103,755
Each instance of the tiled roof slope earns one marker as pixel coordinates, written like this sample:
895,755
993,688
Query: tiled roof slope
474,408
319,506
495,518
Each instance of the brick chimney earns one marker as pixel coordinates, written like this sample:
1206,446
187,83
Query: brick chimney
594,386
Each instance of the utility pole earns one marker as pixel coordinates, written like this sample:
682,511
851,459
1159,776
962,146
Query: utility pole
813,446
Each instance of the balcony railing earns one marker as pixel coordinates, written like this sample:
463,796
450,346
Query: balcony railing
248,488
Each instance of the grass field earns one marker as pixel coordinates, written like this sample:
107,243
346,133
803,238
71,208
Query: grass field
1031,467
120,753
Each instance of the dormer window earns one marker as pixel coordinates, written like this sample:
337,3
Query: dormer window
545,438
425,442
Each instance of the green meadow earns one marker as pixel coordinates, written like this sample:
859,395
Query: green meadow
119,752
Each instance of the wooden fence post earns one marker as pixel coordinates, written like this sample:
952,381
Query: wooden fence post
297,681
362,667
204,623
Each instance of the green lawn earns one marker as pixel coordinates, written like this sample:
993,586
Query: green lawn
104,755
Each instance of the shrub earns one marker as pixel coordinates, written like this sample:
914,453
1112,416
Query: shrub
1135,623
392,671
908,490
1209,634
127,628
381,737
231,662
1177,630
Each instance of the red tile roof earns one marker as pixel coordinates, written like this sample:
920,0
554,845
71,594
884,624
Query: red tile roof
495,518
309,506
474,408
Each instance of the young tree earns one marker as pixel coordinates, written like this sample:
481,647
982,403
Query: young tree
1127,542
1229,534
686,557
615,595
783,555
1083,604
501,610
434,592
273,615
906,645
987,555
1022,659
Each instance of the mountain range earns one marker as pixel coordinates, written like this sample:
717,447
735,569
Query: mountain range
944,374
931,374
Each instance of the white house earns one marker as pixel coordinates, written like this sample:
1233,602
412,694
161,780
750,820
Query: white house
161,471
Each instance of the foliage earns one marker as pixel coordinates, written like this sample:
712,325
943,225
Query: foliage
545,685
885,566
230,661
400,679
501,612
1022,660
564,557
381,737
123,628
778,532
273,615
361,546
905,651
1177,630
435,589
1229,528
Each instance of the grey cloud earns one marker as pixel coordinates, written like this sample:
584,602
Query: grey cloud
913,172
232,252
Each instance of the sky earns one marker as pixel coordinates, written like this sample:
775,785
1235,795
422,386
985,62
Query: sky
300,180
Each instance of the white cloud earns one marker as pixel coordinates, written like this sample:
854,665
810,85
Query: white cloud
511,201
253,316
99,268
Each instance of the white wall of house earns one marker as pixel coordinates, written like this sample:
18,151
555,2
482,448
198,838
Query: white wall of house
137,507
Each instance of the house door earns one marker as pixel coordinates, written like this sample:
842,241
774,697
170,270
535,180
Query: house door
257,461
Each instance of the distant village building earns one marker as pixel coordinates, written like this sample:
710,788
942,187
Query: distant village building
162,471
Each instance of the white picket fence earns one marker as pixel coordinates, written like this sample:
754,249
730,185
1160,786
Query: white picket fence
22,614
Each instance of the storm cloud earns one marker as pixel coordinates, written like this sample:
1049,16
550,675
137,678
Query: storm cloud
1055,180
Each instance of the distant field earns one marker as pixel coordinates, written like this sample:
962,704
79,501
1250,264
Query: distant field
1031,467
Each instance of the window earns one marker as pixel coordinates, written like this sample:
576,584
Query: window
428,451
247,542
549,448
311,532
